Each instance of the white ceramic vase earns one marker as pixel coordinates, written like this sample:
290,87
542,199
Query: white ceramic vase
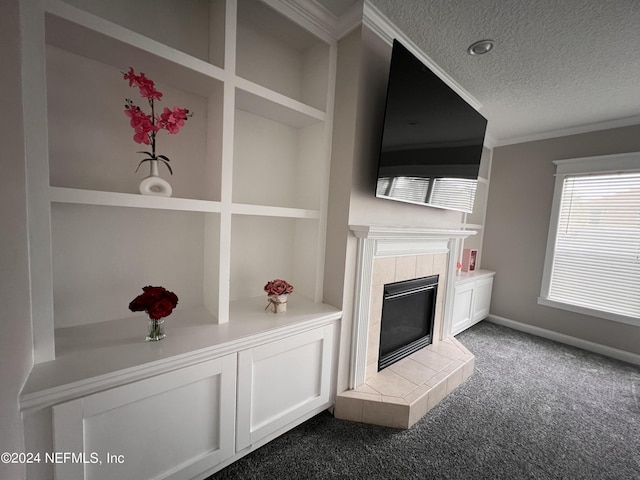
154,184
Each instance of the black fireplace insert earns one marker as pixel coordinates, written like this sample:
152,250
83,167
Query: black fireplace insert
408,313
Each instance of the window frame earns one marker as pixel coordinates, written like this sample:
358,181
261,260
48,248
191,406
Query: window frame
620,163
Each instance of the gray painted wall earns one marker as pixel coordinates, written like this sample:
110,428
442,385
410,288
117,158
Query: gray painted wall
517,223
15,338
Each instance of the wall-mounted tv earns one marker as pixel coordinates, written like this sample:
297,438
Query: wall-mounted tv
431,139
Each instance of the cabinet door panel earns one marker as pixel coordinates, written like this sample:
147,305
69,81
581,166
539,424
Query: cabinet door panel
170,426
281,381
462,308
482,300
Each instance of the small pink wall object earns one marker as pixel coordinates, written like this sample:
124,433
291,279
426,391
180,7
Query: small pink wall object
469,257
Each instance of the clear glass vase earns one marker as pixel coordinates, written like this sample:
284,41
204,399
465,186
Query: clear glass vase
155,330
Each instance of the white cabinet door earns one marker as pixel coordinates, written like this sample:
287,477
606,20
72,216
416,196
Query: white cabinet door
462,307
482,299
471,303
172,426
279,382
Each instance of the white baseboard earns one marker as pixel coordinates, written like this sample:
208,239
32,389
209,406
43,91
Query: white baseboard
566,339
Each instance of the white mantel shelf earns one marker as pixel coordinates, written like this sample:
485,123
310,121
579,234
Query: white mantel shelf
391,233
380,241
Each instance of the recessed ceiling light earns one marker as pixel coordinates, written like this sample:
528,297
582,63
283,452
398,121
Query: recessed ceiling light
480,48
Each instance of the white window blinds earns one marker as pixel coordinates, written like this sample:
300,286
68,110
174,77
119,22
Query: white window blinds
453,193
596,261
458,193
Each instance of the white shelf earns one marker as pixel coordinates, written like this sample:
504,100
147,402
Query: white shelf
269,211
82,33
278,165
268,247
279,54
74,30
259,100
113,199
473,226
464,277
93,357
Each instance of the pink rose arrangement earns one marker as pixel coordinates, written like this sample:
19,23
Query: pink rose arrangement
147,125
274,290
278,287
157,302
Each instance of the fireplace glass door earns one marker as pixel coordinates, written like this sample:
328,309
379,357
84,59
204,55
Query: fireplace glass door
408,313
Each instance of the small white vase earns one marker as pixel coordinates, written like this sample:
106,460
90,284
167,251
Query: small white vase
154,184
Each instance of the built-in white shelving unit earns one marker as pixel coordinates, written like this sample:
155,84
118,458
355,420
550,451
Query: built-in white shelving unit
250,185
474,221
250,167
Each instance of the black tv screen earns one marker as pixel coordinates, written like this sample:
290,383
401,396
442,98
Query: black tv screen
432,139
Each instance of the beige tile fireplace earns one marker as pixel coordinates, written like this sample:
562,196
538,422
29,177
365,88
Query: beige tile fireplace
401,394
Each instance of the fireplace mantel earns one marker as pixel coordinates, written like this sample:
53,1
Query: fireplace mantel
381,232
398,396
375,241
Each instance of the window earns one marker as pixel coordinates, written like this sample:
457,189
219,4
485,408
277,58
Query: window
592,264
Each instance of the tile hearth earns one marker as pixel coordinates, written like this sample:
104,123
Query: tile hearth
404,392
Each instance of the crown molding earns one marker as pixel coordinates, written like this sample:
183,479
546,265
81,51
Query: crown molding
382,26
364,13
489,140
314,15
577,130
321,19
349,21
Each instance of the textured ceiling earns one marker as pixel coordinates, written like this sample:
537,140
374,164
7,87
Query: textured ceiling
557,64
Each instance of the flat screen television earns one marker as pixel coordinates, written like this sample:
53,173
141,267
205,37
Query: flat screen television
432,139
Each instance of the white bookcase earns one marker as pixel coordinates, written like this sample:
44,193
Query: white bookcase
250,186
250,167
475,220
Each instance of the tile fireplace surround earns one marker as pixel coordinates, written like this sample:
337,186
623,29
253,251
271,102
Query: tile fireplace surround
404,392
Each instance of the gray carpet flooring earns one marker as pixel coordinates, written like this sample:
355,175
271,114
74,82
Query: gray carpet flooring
534,409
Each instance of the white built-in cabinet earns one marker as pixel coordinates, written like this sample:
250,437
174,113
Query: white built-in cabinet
281,381
471,299
192,421
174,425
250,187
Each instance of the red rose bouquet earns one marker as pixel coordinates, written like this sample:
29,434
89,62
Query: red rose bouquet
158,303
277,291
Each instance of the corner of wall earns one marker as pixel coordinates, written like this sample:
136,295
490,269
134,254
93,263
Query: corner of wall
16,341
